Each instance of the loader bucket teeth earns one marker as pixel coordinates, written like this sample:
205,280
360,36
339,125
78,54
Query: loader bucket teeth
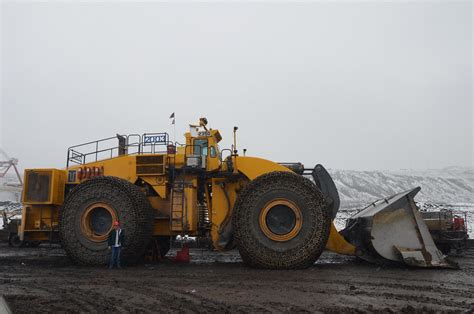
325,183
392,230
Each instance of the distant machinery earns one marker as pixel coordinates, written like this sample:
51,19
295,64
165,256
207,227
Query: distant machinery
8,163
10,208
9,191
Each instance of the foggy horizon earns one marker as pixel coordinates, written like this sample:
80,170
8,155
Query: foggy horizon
359,86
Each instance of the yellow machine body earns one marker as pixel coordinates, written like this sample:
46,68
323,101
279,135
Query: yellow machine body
45,190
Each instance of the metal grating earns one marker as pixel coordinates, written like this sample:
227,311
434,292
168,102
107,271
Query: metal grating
38,186
147,160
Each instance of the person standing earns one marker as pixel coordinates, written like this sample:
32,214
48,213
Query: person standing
116,238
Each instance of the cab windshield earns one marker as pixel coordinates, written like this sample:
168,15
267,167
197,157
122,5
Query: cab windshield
200,147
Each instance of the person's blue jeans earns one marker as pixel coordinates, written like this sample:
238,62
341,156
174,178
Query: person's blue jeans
115,259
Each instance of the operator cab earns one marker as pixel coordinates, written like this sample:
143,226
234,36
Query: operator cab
201,147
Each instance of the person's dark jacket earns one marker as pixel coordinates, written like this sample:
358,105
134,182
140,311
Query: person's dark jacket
113,235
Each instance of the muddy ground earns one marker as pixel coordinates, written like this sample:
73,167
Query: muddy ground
43,279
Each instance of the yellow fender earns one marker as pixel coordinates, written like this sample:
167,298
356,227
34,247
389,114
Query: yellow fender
253,167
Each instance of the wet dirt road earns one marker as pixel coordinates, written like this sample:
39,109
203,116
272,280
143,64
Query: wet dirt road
43,279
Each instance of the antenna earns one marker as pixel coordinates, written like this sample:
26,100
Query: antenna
235,140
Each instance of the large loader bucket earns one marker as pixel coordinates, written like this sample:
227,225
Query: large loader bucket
392,229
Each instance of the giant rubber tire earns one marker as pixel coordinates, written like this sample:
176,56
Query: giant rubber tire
133,210
14,241
256,249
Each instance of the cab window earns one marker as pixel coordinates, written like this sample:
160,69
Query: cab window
200,147
213,153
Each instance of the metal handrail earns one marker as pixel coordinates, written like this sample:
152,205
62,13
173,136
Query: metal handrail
77,157
222,152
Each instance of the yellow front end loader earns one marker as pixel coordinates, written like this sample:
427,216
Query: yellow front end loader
271,212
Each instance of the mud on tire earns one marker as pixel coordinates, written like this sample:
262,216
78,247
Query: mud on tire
131,208
301,251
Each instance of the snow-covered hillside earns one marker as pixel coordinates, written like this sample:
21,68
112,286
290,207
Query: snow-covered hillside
449,188
446,186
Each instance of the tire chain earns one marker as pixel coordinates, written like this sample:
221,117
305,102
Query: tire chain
138,210
258,255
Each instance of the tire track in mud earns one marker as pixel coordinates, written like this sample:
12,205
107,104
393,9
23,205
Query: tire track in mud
89,297
398,292
180,292
420,300
434,297
82,296
382,282
50,283
204,304
406,287
431,295
68,298
400,295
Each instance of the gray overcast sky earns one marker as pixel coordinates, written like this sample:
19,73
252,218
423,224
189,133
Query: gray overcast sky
369,85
